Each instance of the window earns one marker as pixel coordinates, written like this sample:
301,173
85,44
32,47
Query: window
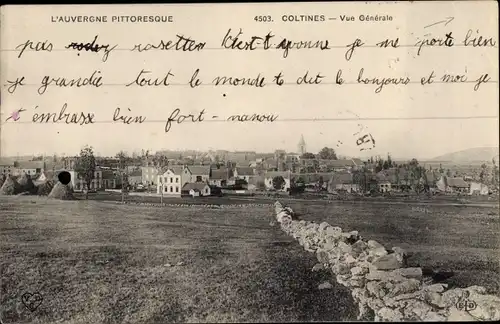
176,180
171,179
206,191
171,189
198,179
176,189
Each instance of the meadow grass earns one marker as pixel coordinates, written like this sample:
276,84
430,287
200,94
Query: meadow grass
462,239
96,262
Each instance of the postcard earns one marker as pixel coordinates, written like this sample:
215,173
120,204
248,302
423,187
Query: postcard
257,162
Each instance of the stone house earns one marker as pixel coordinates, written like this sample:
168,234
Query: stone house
171,181
477,188
343,181
196,173
244,173
31,167
220,177
452,185
135,177
149,175
196,189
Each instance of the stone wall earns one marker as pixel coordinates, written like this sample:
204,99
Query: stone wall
382,286
212,206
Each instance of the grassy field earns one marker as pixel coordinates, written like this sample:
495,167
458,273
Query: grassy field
97,262
228,199
465,240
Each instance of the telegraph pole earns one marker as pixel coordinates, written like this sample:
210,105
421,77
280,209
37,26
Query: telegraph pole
121,172
161,197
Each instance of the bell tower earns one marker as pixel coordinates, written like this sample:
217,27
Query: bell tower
302,145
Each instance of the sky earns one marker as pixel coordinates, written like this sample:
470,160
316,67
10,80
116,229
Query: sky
404,120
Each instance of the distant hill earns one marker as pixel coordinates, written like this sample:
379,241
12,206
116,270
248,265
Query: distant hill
484,154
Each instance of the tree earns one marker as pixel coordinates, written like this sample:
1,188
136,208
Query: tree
482,174
160,160
123,160
494,171
398,179
16,164
390,162
320,182
307,155
145,157
296,185
386,165
278,183
418,174
85,167
406,179
327,153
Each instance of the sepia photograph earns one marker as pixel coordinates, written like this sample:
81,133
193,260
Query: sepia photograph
249,162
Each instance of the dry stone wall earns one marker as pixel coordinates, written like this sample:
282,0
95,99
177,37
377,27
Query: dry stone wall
381,285
211,206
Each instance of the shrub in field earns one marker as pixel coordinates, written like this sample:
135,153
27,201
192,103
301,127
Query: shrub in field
45,188
10,187
62,192
26,183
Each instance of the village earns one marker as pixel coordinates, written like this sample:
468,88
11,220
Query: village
216,173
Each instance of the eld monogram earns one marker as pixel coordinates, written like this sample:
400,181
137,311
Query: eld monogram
466,304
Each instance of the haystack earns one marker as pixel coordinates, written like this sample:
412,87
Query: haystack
10,187
62,192
45,188
26,183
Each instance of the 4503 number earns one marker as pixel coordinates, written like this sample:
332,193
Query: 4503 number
263,19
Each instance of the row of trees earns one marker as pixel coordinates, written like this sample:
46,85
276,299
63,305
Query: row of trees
326,153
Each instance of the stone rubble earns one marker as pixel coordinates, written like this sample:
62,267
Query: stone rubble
380,282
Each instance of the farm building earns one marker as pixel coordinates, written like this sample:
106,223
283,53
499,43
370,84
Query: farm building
196,189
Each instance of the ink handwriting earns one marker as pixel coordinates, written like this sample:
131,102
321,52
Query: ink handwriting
258,81
127,119
95,80
13,84
92,47
234,42
142,81
38,47
447,41
253,117
287,45
177,117
351,47
184,44
78,118
15,115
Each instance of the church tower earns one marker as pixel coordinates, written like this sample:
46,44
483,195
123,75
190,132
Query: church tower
302,145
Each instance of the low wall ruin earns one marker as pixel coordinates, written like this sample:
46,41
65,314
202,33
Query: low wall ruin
382,286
